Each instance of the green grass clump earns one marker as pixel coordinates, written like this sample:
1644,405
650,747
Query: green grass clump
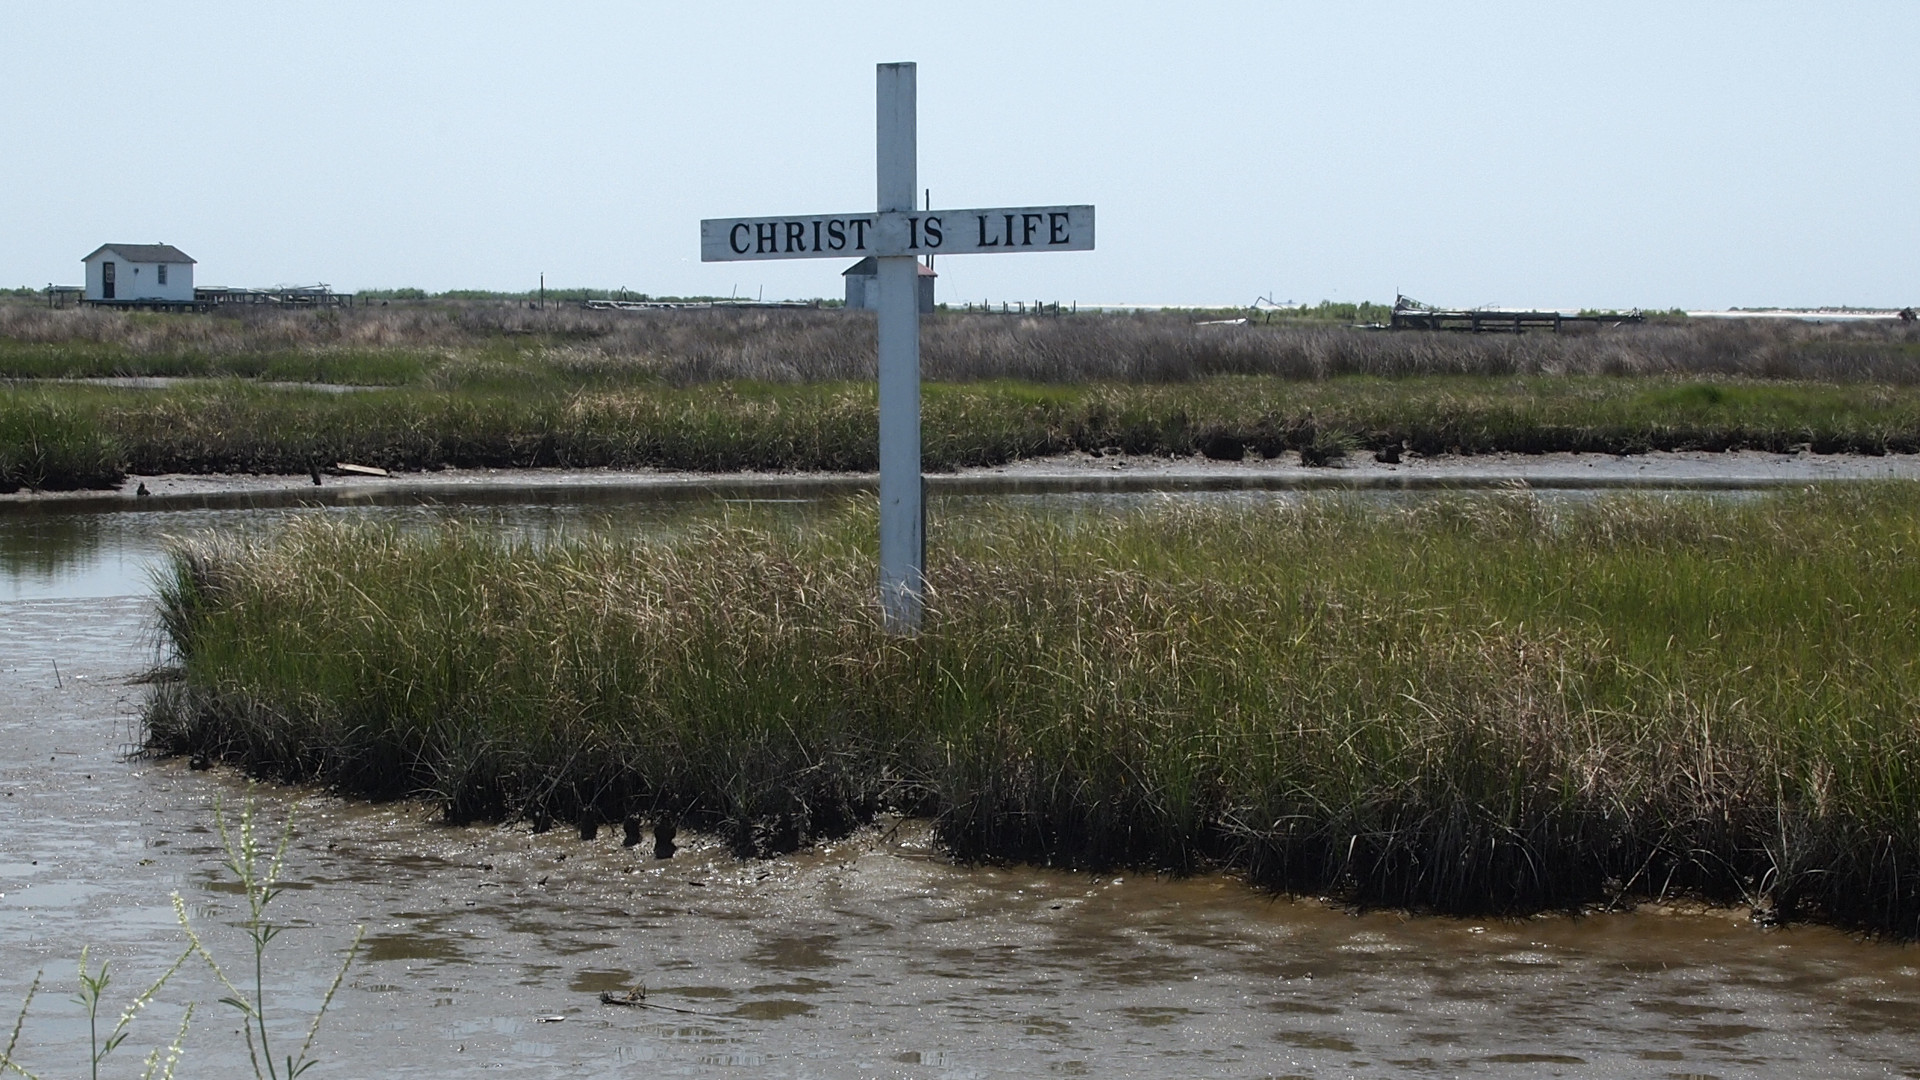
52,443
1463,704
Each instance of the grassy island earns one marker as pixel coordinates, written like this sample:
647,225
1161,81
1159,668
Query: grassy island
437,386
1478,703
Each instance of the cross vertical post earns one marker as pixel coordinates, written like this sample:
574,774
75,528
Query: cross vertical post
892,238
903,523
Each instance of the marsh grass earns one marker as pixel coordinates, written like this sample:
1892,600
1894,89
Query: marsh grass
54,441
67,436
1462,704
492,385
454,344
351,367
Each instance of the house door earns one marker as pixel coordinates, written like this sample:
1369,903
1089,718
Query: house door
106,281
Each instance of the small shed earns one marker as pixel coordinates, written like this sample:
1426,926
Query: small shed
863,285
139,273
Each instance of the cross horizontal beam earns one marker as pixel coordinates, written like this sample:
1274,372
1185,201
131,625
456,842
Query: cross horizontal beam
995,230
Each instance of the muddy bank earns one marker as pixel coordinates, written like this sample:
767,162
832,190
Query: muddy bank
868,956
1681,470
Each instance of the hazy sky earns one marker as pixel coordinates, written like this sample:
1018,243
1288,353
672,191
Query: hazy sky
1656,155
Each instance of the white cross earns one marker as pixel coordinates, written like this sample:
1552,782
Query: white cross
895,235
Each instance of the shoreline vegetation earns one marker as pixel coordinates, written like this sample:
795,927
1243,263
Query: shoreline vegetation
502,386
1485,703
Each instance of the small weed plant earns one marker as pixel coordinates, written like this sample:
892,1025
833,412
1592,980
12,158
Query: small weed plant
257,869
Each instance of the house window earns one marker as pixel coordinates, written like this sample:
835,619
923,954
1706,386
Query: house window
163,273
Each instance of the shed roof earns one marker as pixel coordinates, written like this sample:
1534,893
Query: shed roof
148,253
869,267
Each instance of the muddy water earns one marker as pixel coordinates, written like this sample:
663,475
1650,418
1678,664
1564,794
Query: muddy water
870,957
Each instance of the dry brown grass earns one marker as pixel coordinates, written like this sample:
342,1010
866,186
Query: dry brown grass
831,345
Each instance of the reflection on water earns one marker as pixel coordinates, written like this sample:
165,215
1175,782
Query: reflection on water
488,948
95,554
47,553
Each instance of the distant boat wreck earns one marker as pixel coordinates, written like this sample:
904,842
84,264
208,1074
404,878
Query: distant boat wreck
1411,314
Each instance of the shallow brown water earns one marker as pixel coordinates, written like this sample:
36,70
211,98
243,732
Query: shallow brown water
870,957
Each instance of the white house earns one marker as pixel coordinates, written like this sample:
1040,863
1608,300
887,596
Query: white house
125,273
863,285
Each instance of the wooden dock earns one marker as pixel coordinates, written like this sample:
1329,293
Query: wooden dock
308,296
171,306
211,297
692,305
1409,314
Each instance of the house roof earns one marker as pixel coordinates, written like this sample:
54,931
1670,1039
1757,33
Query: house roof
145,253
869,267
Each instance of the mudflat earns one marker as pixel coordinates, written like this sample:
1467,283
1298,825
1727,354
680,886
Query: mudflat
872,955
